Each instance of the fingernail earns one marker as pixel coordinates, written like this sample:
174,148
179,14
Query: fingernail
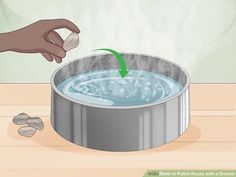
62,54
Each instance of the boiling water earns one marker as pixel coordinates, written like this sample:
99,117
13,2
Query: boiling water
109,88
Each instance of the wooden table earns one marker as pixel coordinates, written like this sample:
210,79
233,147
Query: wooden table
209,142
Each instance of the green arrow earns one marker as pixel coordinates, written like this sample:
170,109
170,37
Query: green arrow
123,70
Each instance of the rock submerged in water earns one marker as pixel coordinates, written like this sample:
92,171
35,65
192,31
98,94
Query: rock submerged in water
35,122
21,119
27,131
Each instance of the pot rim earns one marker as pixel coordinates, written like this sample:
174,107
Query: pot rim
164,100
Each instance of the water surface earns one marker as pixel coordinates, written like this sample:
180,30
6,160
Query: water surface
108,88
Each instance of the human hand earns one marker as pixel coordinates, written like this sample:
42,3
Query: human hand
38,37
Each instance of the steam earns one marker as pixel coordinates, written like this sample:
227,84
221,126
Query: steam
179,30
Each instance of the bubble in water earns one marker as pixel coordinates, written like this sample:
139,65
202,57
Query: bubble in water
133,93
148,84
118,91
137,83
146,92
104,90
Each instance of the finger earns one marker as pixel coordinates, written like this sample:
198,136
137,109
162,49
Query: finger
54,49
47,56
50,57
61,23
58,59
56,38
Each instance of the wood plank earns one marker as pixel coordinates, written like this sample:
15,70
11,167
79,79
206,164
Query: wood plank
212,100
208,140
213,97
211,139
34,111
203,96
74,172
25,94
45,111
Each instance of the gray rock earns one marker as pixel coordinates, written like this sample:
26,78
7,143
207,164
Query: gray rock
35,122
27,131
71,42
20,119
